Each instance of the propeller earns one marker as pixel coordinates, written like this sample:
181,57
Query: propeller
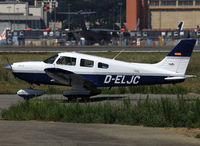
9,66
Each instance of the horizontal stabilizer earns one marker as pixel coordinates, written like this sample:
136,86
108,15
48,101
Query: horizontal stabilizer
175,78
179,78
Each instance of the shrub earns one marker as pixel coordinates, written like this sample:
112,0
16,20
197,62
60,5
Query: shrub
164,112
198,135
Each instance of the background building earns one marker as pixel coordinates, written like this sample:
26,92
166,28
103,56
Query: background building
52,4
19,15
49,6
166,14
136,14
162,14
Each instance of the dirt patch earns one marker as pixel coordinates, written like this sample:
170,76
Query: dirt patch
190,132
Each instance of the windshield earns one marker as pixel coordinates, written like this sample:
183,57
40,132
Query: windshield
51,59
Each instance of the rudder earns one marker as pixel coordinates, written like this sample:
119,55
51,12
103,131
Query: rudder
177,60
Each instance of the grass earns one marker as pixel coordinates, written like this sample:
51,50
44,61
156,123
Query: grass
164,112
198,135
9,84
153,89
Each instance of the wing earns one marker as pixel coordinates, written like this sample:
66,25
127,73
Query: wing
105,30
76,13
68,78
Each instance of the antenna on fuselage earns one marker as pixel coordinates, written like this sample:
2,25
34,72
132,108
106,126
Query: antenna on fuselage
118,54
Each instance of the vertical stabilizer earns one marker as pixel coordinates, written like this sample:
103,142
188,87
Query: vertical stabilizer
180,26
177,60
82,21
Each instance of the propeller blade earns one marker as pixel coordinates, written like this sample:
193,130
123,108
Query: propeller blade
9,66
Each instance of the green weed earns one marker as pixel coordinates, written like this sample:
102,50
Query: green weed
198,135
164,112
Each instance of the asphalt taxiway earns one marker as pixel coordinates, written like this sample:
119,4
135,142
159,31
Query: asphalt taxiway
90,49
50,133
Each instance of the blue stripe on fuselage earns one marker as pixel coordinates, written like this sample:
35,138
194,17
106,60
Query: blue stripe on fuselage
37,78
127,80
101,80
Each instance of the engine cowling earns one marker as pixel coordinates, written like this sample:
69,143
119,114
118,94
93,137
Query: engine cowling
28,93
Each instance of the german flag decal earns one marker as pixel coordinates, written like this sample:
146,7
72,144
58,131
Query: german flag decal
178,53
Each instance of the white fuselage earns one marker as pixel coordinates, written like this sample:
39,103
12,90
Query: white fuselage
116,72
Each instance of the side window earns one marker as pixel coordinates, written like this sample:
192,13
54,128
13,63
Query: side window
103,65
86,63
66,61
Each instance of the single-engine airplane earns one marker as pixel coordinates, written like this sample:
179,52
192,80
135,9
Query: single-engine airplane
86,72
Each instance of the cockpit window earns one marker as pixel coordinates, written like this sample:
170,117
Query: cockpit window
86,63
51,59
66,61
103,65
